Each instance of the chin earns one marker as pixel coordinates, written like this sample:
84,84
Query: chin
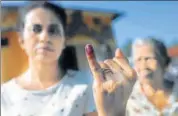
45,59
148,79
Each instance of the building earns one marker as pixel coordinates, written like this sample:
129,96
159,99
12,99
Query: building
173,51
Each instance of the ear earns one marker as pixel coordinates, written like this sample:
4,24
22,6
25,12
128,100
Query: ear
21,42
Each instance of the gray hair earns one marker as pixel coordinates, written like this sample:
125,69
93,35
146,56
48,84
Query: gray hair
159,48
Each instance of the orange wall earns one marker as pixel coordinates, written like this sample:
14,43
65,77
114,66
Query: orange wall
13,59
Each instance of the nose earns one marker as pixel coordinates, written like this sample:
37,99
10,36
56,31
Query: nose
43,37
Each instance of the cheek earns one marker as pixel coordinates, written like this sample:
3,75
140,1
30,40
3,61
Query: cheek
58,45
136,67
29,45
153,65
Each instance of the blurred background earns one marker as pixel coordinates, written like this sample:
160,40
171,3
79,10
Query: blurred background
106,25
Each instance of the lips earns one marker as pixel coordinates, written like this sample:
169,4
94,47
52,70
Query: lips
145,73
45,48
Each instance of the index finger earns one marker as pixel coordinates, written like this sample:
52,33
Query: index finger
93,64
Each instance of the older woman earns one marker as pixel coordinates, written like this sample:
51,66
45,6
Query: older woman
152,95
158,96
45,89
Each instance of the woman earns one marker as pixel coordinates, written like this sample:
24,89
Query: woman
159,96
45,90
152,94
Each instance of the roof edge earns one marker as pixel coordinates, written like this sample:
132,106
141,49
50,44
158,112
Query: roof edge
70,7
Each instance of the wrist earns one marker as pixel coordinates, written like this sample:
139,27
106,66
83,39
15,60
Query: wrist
101,113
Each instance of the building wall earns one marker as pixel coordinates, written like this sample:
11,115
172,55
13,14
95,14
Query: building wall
13,59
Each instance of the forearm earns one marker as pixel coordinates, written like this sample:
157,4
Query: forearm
101,111
102,114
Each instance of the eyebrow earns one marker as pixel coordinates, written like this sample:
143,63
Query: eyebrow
54,24
60,27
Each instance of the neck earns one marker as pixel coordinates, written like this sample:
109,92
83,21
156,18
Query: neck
157,97
44,73
151,89
163,87
158,83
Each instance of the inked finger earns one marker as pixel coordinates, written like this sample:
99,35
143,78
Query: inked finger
93,64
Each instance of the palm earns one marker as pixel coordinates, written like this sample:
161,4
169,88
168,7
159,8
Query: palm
108,75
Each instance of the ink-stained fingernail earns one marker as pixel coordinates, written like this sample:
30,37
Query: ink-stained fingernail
89,49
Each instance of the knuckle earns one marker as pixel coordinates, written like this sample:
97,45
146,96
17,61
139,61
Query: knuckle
100,62
116,60
132,73
107,61
96,69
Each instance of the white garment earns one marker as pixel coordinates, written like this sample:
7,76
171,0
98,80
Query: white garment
139,105
72,96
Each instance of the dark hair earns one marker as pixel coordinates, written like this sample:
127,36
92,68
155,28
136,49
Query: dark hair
56,9
162,52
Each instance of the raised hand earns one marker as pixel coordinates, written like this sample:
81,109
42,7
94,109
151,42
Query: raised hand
108,76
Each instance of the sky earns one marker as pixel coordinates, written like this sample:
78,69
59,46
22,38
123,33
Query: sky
141,19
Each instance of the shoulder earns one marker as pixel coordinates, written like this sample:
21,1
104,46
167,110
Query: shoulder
76,86
5,87
173,110
77,81
135,96
79,77
7,90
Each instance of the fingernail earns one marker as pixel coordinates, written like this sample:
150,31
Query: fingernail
89,49
119,53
